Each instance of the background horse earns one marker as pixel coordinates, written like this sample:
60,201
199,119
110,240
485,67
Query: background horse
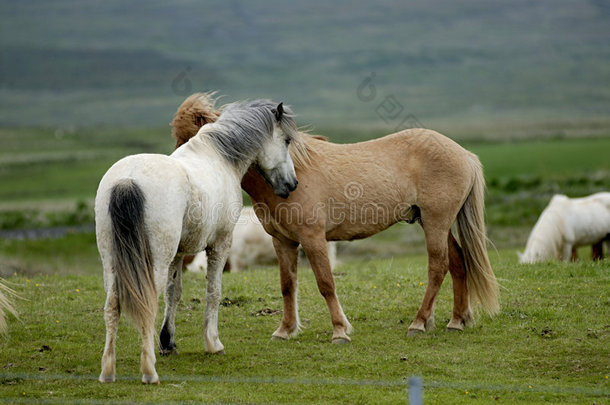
354,191
5,306
251,246
567,223
150,210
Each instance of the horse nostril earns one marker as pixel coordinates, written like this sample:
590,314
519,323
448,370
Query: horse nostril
294,185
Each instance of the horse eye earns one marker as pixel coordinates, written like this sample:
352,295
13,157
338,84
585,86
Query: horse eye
288,141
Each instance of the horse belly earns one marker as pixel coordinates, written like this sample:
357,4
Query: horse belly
211,212
353,231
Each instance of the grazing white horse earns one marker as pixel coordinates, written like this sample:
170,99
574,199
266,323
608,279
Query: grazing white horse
252,245
567,223
5,306
151,210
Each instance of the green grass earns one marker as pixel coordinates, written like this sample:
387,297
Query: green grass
74,254
40,164
543,159
550,343
523,176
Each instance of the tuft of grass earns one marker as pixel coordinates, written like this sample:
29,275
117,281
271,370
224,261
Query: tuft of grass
550,343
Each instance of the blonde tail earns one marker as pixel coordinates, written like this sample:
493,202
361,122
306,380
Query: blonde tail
480,278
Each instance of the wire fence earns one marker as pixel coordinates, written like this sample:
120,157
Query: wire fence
414,386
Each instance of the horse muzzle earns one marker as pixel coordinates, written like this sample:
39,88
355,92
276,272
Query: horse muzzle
285,189
281,185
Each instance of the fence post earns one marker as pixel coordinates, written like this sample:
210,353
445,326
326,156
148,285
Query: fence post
416,396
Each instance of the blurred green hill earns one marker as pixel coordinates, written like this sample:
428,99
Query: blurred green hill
479,68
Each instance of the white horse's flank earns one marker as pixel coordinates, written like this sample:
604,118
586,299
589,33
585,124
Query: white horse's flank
150,210
567,223
252,245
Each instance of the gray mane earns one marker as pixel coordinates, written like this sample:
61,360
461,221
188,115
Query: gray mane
244,126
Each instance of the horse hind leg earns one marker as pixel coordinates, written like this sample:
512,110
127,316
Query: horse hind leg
112,314
173,292
438,265
462,314
146,327
147,358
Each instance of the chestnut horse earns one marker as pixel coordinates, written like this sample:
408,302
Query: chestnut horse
354,191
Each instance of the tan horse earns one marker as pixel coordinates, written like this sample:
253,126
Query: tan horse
354,191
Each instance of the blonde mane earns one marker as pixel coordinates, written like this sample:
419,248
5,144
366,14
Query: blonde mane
200,109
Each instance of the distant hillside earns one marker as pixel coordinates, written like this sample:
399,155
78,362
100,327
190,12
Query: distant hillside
440,64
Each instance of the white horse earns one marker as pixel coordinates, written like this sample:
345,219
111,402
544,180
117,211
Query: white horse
568,223
5,306
252,245
151,210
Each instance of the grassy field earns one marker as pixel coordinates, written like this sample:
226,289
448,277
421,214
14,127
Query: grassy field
550,343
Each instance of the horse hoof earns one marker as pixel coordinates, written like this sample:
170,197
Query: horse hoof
150,379
168,352
414,332
454,330
220,352
341,340
106,379
278,338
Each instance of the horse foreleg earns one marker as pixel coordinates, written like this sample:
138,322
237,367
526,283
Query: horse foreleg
316,252
112,314
173,292
217,257
574,254
438,265
287,254
462,315
566,252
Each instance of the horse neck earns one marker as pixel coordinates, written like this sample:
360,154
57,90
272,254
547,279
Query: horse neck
256,187
202,148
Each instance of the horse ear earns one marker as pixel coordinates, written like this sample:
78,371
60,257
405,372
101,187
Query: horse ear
278,112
